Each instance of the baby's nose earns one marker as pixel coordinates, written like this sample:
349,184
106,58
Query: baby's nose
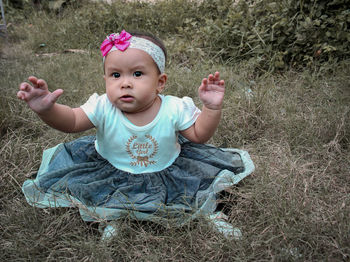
127,83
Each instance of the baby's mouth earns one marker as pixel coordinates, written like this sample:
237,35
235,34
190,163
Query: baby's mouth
127,98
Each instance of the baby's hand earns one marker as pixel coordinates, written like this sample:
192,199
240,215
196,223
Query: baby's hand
211,91
37,95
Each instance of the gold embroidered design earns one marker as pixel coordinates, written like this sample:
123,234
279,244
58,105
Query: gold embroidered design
142,152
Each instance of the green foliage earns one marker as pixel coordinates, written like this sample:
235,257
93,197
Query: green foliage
274,35
278,34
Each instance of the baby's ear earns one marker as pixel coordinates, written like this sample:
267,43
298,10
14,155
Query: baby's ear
161,82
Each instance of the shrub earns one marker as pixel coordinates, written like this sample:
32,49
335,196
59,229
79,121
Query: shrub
274,35
278,34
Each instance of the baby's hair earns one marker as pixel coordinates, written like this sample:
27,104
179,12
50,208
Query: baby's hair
151,38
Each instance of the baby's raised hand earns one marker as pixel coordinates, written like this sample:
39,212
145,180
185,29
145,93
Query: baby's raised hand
37,95
211,91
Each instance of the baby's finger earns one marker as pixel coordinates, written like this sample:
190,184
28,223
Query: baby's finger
38,83
211,78
25,96
204,83
55,95
21,95
33,80
25,87
214,79
42,84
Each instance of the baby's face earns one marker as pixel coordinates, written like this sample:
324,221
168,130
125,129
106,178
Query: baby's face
132,80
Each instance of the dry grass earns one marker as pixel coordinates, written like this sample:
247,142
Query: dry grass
295,207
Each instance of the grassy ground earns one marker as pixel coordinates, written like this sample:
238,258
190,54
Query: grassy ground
295,125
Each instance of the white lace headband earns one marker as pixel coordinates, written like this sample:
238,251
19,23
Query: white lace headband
124,40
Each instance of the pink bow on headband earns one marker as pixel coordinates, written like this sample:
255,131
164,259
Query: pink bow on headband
117,40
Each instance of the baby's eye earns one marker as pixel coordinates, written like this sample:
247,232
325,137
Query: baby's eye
138,73
116,75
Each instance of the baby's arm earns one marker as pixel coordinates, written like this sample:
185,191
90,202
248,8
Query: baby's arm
43,102
211,92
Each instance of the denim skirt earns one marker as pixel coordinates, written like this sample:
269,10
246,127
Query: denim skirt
73,174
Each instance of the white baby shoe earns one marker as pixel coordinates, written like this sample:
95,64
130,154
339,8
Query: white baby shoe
109,232
219,222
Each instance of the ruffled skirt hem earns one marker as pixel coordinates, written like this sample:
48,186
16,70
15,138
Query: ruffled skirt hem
73,174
